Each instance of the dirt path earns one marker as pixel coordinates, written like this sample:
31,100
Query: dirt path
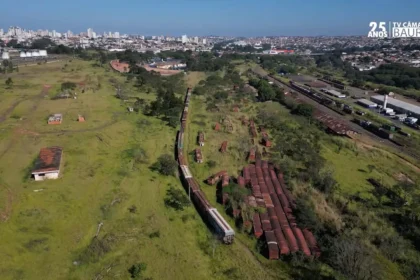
9,110
37,99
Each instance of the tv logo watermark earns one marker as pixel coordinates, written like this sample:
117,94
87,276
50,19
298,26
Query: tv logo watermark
406,29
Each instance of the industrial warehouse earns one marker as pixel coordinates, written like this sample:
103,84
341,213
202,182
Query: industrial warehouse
397,105
366,103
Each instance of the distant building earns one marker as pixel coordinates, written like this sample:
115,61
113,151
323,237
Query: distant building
366,103
274,51
184,39
90,32
47,165
334,93
398,105
55,119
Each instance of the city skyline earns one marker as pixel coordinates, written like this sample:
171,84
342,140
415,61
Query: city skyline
228,18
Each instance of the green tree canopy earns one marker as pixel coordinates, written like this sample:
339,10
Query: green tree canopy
42,43
165,165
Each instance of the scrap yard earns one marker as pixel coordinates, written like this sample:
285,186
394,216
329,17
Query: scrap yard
269,204
277,224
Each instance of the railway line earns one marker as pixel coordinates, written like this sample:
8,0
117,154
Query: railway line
310,100
209,214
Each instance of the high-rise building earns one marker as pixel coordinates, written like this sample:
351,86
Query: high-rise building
69,33
117,35
1,32
204,41
90,32
54,34
184,39
93,34
196,39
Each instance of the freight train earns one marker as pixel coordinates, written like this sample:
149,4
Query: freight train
333,82
209,214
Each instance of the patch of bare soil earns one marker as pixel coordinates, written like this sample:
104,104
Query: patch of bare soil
403,178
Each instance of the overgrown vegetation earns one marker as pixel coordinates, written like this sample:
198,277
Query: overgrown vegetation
176,199
165,165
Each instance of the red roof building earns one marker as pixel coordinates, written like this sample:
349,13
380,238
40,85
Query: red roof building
55,119
47,165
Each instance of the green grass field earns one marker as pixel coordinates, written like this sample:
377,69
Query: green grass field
48,227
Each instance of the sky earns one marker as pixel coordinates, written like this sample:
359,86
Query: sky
208,17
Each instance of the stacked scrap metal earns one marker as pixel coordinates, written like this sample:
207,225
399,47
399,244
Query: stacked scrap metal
225,180
251,156
201,138
277,223
213,179
198,156
223,147
252,129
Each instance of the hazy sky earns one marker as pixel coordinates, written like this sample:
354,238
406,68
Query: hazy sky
206,17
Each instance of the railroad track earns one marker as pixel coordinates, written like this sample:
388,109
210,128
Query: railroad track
309,100
209,214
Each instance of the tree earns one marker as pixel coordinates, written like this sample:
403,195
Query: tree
9,82
165,165
371,167
12,43
176,198
102,58
7,66
305,110
42,43
68,85
265,91
136,270
354,259
211,164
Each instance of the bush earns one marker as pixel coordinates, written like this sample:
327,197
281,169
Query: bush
354,259
155,234
98,248
176,199
305,110
136,270
68,85
211,164
165,165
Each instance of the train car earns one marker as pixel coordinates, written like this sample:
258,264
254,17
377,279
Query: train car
210,215
221,226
